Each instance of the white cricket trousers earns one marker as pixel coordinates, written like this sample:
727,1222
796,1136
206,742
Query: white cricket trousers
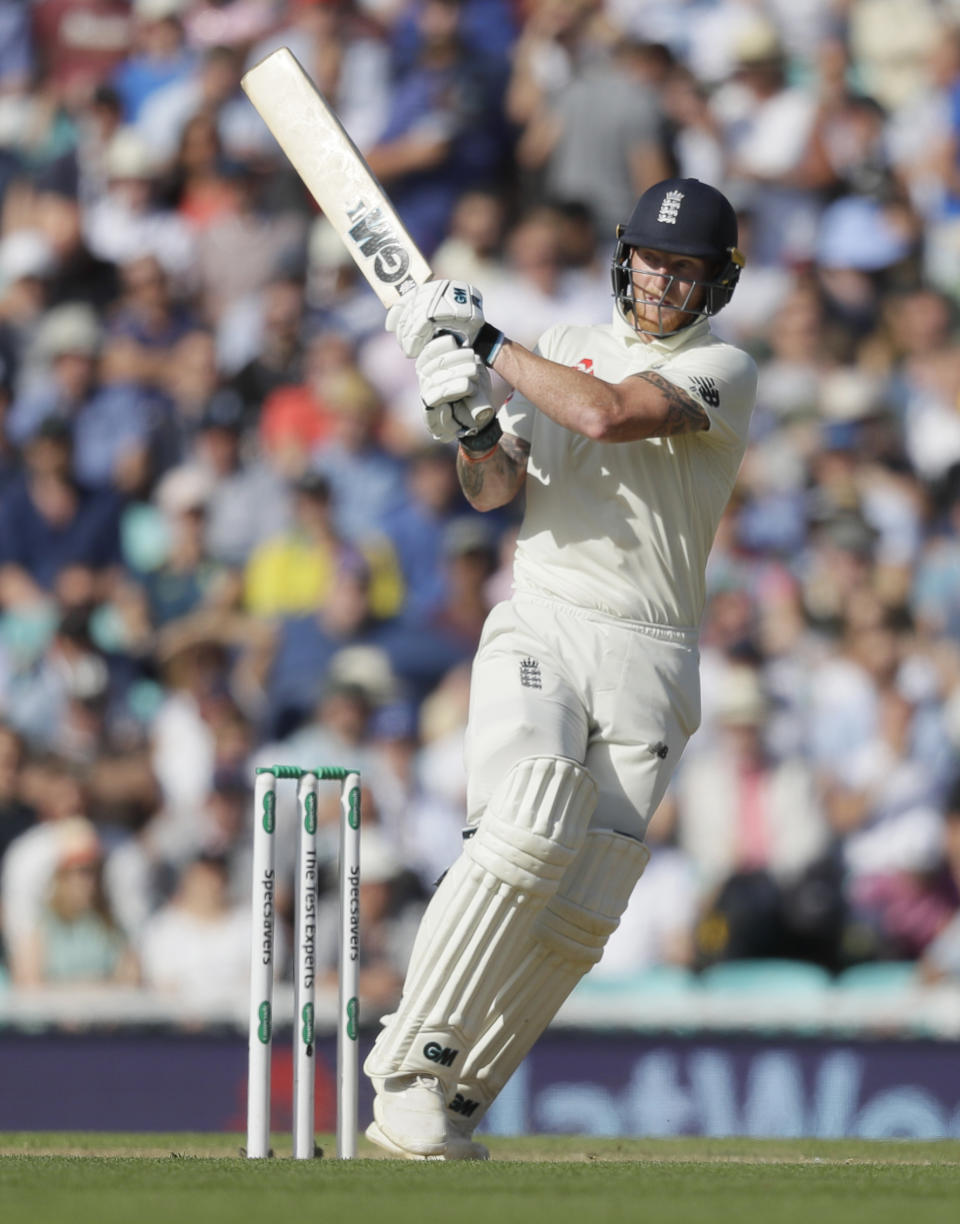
620,697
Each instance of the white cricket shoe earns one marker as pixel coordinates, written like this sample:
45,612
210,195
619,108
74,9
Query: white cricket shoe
410,1121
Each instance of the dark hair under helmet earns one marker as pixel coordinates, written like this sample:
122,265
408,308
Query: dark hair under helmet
684,217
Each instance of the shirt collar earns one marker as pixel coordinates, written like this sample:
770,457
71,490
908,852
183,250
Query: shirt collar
669,344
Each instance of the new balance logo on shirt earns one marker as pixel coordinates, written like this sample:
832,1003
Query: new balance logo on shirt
707,389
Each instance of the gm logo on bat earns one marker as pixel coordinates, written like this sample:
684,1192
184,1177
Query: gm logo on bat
375,238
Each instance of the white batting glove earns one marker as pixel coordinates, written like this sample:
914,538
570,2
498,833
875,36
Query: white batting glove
455,389
437,306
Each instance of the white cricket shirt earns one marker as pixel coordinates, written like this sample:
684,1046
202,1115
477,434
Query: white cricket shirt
624,528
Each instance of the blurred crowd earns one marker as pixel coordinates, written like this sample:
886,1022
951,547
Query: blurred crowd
227,541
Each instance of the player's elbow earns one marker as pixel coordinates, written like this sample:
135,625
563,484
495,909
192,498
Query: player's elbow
487,501
595,425
615,420
492,496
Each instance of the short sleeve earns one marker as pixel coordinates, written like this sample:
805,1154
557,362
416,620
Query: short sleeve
724,380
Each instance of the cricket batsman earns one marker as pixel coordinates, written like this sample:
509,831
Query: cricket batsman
626,438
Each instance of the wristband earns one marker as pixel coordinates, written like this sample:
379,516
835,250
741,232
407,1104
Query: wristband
483,443
488,342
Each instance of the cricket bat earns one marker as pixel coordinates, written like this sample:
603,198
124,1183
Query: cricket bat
334,171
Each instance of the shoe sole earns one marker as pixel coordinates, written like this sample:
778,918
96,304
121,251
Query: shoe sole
381,1139
455,1149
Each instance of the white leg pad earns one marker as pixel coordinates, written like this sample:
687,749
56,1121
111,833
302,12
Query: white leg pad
566,942
485,908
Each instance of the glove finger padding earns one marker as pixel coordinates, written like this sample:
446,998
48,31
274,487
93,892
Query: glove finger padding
455,388
445,371
437,306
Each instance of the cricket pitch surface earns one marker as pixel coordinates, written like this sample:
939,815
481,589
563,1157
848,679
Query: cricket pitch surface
87,1178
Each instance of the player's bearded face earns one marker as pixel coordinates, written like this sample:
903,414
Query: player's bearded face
664,296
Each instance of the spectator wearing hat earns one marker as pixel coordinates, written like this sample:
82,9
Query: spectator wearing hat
64,359
892,42
125,222
27,262
186,577
199,728
738,810
76,940
365,477
54,791
767,125
114,426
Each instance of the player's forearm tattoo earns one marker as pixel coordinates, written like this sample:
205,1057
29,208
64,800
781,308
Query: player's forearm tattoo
502,469
684,414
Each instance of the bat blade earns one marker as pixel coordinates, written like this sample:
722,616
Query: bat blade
336,174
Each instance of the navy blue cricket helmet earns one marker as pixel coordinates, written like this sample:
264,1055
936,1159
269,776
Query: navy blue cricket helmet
682,216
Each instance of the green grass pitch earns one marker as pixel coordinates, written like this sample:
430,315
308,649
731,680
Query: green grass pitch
153,1179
